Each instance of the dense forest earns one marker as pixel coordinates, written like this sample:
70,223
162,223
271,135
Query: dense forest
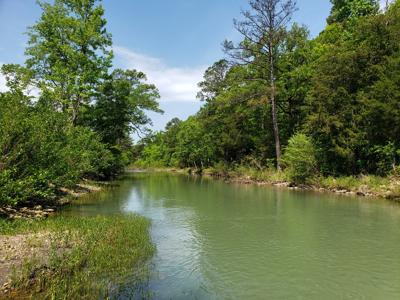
331,104
78,122
279,100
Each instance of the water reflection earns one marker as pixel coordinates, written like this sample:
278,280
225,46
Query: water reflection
216,240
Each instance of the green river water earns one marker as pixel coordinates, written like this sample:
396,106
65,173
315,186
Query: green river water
225,241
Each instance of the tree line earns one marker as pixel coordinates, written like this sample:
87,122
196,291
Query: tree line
330,103
79,122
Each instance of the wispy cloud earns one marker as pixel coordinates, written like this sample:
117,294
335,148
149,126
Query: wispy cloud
174,84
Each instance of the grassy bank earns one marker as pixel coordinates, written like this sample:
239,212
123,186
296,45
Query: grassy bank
80,257
362,185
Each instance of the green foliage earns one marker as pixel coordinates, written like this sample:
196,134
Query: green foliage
385,158
342,89
40,152
235,122
299,158
344,10
355,88
120,108
184,144
214,81
68,51
16,190
195,147
80,124
152,156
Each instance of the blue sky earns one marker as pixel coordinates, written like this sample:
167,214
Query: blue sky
172,41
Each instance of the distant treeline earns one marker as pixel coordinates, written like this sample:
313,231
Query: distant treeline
332,102
79,122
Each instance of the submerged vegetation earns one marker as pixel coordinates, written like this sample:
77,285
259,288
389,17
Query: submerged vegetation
83,257
332,102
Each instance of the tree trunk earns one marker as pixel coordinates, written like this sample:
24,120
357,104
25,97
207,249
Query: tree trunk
74,116
274,110
75,111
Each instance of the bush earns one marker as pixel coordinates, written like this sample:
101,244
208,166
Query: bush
385,158
14,191
299,158
40,151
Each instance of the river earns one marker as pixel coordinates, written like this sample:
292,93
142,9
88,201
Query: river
228,241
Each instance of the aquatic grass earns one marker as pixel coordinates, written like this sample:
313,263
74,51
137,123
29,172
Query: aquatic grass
90,257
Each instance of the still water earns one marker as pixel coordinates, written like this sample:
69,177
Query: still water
225,241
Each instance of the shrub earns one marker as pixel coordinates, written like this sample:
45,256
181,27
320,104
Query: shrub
40,151
299,158
385,158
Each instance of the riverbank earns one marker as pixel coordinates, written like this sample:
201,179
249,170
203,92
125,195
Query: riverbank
46,255
73,257
44,209
363,185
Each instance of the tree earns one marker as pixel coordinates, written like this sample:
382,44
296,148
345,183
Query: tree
195,147
300,158
263,30
343,10
120,108
294,72
214,81
355,94
39,152
69,53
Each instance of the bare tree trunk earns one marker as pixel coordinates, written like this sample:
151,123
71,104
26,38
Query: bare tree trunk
274,110
75,111
263,28
74,116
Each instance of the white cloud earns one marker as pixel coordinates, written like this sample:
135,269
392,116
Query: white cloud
174,84
3,86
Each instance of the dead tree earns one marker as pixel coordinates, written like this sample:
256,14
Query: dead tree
264,31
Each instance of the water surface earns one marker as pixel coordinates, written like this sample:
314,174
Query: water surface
224,241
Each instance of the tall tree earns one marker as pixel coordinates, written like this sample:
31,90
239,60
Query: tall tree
120,109
343,10
214,81
264,30
69,53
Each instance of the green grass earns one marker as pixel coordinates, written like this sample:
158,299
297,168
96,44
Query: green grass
351,183
268,175
90,257
387,187
244,172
